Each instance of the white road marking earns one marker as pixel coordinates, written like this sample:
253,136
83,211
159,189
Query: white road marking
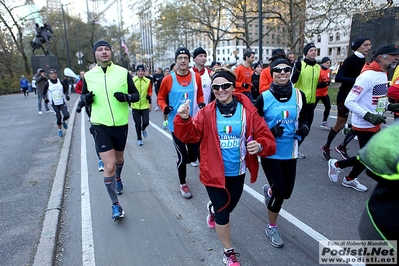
88,258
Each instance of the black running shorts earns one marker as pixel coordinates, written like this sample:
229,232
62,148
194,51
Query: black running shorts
109,138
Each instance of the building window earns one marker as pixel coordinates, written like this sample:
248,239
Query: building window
319,38
337,36
330,51
267,51
331,37
318,51
339,51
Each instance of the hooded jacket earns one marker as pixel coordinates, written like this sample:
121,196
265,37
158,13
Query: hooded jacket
202,128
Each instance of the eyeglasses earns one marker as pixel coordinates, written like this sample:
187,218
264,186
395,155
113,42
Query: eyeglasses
53,72
278,69
224,86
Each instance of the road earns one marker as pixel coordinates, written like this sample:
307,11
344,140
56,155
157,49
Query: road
160,226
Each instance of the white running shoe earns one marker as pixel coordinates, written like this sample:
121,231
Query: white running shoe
355,184
333,171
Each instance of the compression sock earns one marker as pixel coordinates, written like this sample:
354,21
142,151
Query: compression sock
119,170
330,138
110,184
349,136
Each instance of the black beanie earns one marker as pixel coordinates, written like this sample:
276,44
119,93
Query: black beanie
307,48
140,67
198,51
358,42
182,50
278,61
101,43
325,59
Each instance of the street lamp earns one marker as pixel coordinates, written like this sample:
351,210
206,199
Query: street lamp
65,33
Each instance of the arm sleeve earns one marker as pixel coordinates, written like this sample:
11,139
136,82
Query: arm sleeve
357,92
164,90
131,88
84,88
303,119
259,105
45,89
150,89
342,74
64,87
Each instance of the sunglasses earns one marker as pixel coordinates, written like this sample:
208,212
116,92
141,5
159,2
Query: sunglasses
278,69
224,86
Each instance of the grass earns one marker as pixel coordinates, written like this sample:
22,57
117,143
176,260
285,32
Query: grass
333,91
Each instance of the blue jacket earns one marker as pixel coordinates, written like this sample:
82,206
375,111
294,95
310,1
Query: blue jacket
23,83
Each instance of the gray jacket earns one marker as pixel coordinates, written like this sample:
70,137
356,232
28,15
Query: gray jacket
40,81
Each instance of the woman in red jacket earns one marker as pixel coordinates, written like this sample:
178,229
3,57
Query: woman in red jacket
232,124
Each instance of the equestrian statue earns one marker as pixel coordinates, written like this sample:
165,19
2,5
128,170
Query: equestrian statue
43,35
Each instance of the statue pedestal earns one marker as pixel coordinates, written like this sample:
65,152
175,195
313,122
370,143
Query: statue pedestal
46,62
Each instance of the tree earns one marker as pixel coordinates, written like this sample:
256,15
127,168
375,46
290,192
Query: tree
15,25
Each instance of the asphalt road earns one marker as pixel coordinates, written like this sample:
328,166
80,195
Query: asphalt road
160,226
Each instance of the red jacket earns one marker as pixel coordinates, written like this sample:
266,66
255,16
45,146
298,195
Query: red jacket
202,127
78,87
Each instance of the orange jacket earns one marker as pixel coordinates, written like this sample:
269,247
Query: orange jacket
265,80
324,77
244,75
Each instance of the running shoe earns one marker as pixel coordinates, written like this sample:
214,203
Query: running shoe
333,171
100,166
355,184
48,111
230,258
325,153
342,151
210,218
345,130
65,125
274,236
144,134
60,133
40,112
265,189
140,142
324,125
157,108
119,187
301,155
185,191
356,138
117,212
165,124
194,164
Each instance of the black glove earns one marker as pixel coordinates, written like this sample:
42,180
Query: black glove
148,98
78,109
245,85
322,84
298,65
46,100
374,119
277,130
167,109
393,107
67,97
303,131
89,98
201,105
121,97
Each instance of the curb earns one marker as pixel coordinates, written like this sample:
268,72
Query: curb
47,246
